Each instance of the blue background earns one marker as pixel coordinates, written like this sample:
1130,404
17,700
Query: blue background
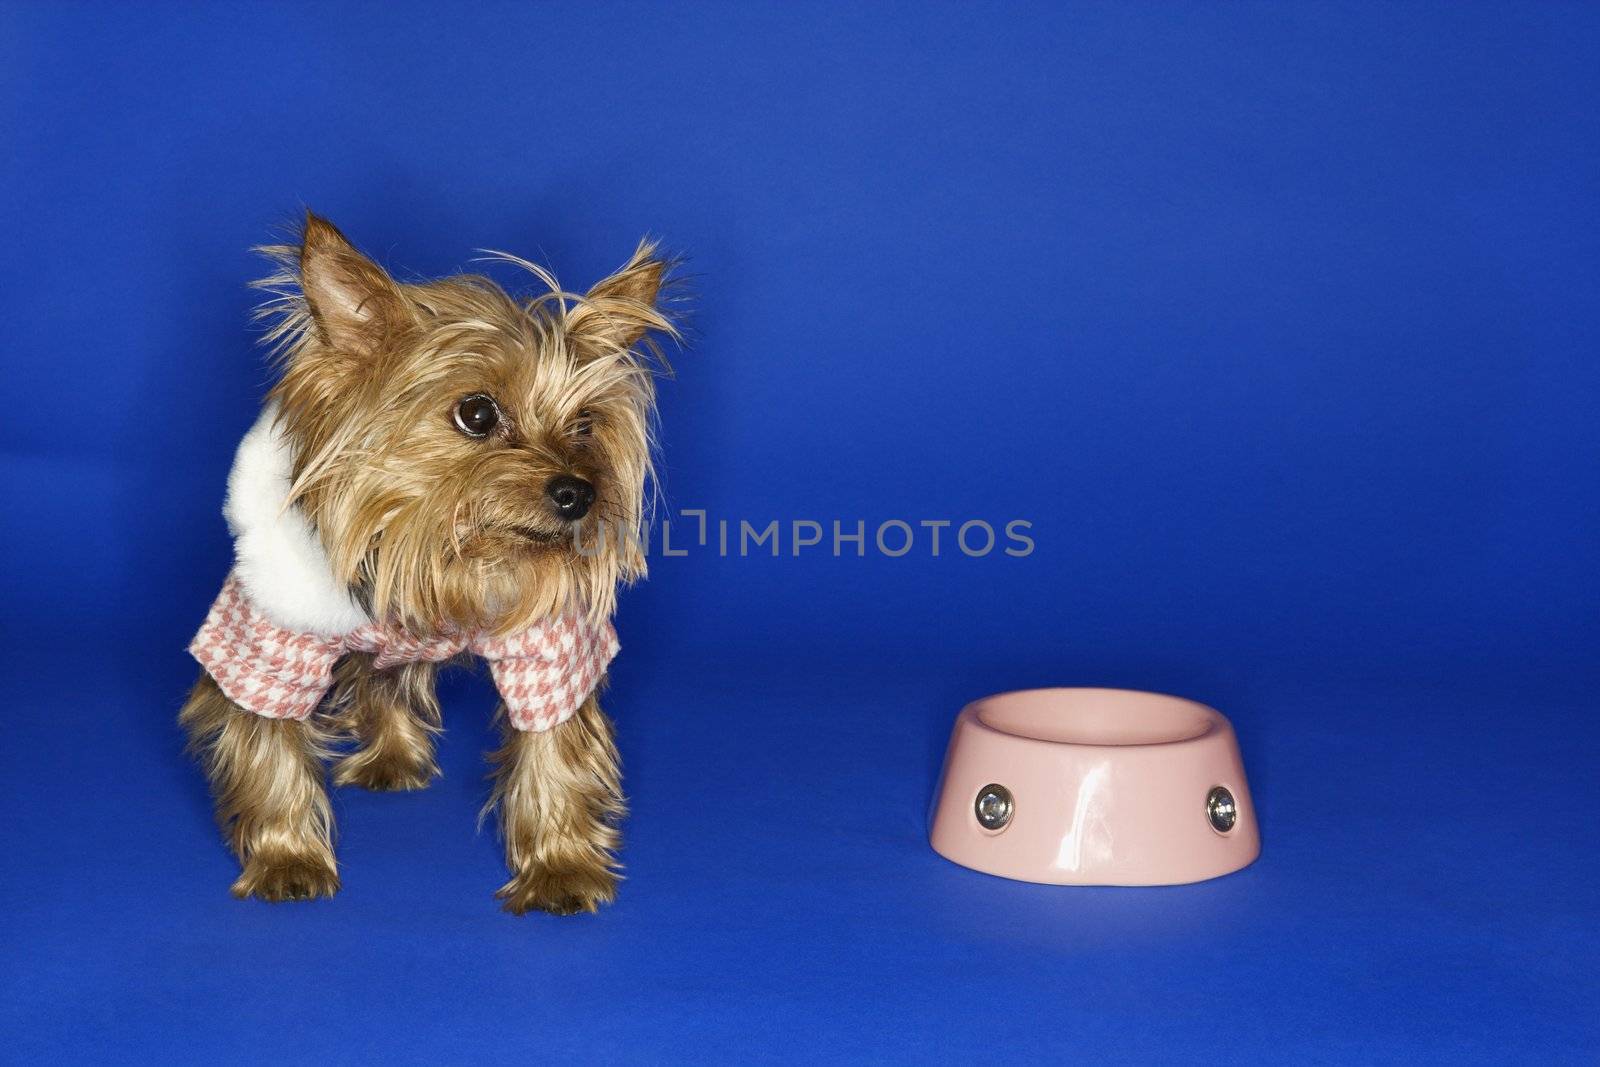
1278,322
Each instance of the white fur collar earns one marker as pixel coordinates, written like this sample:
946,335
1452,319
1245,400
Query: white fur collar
278,557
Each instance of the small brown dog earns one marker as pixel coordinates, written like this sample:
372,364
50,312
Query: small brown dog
441,470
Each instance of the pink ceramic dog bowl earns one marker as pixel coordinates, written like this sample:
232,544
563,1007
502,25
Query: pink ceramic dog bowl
1094,787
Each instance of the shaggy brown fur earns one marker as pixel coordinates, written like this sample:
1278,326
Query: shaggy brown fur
559,799
266,776
437,529
392,715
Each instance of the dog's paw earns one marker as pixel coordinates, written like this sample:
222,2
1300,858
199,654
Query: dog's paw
383,775
564,891
280,879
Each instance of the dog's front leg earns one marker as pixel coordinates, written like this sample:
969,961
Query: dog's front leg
272,805
558,794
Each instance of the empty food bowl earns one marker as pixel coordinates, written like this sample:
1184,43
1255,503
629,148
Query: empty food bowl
1094,787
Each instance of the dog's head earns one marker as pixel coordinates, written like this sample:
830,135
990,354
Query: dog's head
468,459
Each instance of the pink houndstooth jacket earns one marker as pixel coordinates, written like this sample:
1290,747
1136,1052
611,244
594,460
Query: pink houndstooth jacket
283,619
544,673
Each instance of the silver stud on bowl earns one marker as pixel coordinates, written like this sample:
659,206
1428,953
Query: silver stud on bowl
1221,810
993,807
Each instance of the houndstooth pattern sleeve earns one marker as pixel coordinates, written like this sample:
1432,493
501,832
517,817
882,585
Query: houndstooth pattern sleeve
545,673
260,666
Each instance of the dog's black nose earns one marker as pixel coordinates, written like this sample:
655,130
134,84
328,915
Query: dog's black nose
572,496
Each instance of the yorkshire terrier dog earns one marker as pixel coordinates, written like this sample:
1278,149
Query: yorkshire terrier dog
441,470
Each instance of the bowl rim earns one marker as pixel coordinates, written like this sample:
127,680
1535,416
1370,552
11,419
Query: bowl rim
1214,721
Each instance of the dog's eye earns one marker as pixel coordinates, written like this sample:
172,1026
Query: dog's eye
477,415
585,424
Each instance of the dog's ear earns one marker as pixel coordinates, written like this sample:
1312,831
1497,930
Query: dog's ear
352,301
619,311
